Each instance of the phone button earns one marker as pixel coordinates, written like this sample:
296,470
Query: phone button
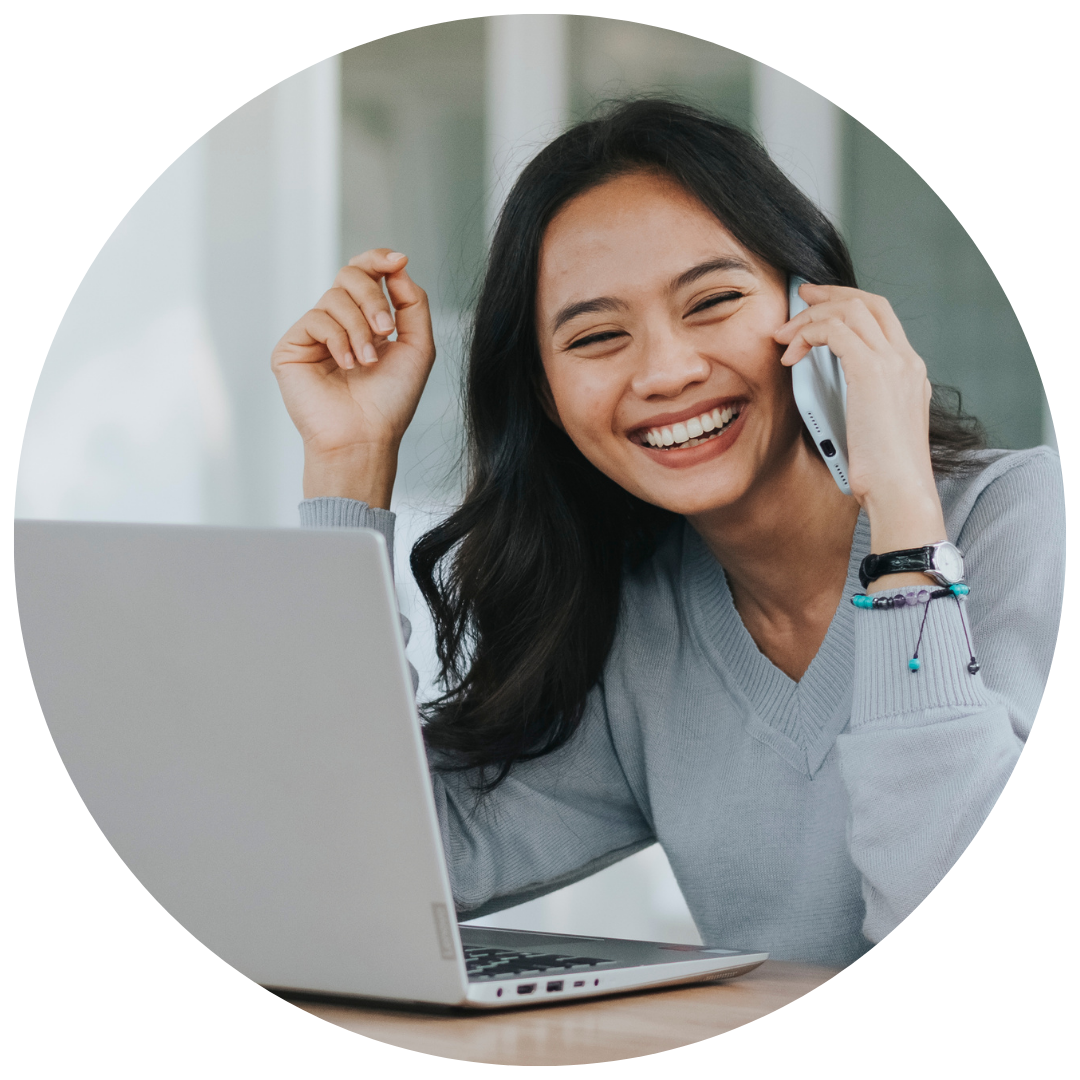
827,448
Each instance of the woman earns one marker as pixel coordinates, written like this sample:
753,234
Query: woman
644,604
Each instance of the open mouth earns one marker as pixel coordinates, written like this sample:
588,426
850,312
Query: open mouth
692,432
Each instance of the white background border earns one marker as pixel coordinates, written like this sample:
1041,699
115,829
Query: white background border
97,100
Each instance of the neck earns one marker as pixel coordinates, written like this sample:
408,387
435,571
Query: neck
786,544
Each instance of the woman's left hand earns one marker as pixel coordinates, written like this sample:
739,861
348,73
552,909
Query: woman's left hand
888,410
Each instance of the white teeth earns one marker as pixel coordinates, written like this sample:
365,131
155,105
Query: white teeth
694,431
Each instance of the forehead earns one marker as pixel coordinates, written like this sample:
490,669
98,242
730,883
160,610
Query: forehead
625,234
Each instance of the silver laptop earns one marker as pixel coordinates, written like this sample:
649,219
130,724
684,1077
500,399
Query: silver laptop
235,708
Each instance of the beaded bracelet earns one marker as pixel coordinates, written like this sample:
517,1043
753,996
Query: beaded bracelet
912,597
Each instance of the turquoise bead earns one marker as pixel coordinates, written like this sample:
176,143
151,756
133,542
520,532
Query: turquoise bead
959,589
914,664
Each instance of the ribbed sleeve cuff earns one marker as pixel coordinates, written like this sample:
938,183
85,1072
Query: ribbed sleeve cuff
885,640
335,513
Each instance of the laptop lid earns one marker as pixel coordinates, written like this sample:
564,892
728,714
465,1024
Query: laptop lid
231,705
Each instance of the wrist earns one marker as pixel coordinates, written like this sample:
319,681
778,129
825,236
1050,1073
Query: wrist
364,472
905,520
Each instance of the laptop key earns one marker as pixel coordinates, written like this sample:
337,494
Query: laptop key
489,963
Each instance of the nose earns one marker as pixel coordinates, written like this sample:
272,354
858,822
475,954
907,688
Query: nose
669,364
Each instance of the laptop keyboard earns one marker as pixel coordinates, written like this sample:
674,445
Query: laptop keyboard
487,963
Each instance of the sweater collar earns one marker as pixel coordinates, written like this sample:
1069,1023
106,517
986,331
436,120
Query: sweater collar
799,720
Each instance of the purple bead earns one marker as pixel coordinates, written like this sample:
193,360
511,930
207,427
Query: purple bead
899,600
924,596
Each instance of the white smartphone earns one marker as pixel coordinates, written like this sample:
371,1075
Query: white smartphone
821,395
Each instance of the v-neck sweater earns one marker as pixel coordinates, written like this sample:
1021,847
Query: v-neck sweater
802,818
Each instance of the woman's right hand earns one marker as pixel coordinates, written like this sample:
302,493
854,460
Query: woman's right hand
349,389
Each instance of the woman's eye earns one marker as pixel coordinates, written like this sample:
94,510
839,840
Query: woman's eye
596,339
713,301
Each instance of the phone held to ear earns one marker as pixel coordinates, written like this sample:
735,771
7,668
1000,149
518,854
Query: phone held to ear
821,395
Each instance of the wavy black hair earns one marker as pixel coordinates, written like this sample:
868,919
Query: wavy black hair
523,580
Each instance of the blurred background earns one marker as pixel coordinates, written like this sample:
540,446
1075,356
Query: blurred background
157,403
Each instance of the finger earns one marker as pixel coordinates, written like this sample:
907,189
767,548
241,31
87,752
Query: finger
368,295
413,312
322,328
890,325
877,305
377,262
846,344
340,305
853,312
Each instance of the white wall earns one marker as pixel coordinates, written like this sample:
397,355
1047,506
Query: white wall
156,402
131,399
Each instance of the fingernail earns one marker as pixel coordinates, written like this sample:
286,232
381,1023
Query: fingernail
384,323
370,355
348,360
395,256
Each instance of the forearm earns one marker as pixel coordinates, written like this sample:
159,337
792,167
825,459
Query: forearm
924,759
553,820
918,796
906,514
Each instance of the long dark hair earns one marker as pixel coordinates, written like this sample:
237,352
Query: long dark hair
523,580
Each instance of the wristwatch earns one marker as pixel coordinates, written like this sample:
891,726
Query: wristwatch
942,562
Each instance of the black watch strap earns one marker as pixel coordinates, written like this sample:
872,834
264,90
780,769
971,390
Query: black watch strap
908,561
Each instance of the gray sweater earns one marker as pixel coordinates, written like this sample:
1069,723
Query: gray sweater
803,818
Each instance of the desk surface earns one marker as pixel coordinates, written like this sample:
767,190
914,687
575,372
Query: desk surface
605,1029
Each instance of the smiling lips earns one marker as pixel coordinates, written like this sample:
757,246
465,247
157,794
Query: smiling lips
692,432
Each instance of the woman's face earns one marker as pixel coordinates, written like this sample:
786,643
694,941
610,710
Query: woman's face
655,328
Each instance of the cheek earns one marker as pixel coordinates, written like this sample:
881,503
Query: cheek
585,404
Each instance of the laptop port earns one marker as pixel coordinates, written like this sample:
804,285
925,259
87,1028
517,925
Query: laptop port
553,986
526,988
580,982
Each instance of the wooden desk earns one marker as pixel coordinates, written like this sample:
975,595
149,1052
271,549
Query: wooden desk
605,1029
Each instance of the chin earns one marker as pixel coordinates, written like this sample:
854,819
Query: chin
697,502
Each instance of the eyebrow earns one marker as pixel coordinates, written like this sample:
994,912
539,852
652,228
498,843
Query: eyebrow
696,273
587,307
687,277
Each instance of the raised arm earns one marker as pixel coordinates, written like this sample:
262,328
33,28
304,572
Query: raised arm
351,387
928,753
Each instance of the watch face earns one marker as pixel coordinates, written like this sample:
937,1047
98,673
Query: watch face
949,563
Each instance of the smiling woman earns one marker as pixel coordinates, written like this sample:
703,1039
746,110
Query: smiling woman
648,609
